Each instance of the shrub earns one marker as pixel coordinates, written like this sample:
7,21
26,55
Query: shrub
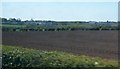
23,57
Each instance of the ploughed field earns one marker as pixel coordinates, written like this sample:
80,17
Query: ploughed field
92,43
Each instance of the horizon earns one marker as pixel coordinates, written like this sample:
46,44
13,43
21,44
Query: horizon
59,21
61,11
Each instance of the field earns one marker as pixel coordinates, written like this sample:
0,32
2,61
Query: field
102,44
65,26
8,25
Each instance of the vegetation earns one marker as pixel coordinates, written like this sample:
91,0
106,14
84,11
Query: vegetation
22,28
23,57
12,25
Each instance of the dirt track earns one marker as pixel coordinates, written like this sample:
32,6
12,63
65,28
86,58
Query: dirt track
93,43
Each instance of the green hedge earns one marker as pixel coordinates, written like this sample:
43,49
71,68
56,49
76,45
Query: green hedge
13,56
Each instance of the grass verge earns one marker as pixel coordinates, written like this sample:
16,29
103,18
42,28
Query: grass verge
13,56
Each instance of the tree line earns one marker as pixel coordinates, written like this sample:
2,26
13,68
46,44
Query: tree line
13,24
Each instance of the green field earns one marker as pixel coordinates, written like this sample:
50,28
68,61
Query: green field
56,27
11,25
23,57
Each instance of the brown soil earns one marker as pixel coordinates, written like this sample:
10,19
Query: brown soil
93,43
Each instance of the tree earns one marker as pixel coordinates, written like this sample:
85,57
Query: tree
18,20
12,20
4,20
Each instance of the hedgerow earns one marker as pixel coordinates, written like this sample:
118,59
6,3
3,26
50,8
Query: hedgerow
13,56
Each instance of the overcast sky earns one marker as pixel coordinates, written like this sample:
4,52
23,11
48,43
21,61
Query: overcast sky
82,11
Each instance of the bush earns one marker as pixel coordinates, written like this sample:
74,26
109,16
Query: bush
22,57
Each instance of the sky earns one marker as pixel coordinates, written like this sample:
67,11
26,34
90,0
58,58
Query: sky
61,11
60,0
